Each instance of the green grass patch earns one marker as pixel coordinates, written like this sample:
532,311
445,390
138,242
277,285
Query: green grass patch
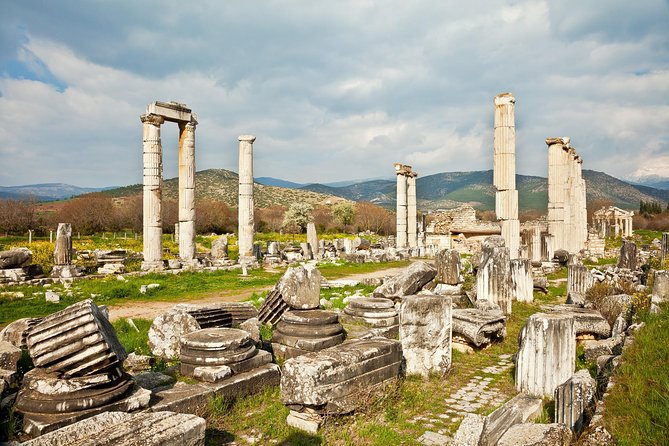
637,407
646,236
134,336
336,270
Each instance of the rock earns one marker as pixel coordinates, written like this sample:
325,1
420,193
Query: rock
470,430
661,286
561,256
52,297
124,429
15,333
540,283
517,410
617,305
610,346
9,356
628,254
425,333
361,244
619,327
252,327
574,400
434,439
306,422
534,434
174,264
166,332
135,362
152,380
546,353
338,378
15,258
144,288
219,248
409,281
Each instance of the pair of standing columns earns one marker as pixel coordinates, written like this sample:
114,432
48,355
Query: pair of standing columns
157,114
407,223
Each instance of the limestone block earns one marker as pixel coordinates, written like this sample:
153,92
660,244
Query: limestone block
219,248
587,321
546,354
574,400
535,434
470,430
16,332
9,356
479,327
123,429
425,333
409,281
521,280
449,267
306,422
610,346
15,258
337,378
493,280
517,410
166,332
628,254
299,288
661,286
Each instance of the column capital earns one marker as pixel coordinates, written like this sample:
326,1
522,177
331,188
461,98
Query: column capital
249,138
563,140
504,99
152,119
402,169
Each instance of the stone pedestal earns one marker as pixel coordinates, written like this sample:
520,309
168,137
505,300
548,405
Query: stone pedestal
574,400
449,267
378,314
153,179
521,279
425,333
246,219
298,288
546,354
304,331
493,280
62,254
187,191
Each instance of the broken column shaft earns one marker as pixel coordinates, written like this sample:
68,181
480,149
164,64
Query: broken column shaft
412,237
187,191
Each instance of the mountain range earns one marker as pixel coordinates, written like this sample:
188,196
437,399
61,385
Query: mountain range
442,190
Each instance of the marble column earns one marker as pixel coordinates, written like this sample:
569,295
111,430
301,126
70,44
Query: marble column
246,219
153,179
62,254
504,171
412,222
187,191
401,237
558,175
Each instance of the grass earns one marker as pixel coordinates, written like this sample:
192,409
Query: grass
336,270
134,338
646,236
637,408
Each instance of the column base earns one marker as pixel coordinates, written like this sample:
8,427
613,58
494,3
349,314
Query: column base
156,265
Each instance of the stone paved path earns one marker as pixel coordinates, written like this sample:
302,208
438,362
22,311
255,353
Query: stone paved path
477,394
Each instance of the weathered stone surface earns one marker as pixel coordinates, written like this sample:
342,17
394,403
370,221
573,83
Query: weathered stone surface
135,362
166,332
219,248
304,421
546,353
493,279
449,267
534,434
574,400
628,254
15,258
303,331
425,333
587,321
220,314
16,332
252,327
519,409
299,288
9,356
152,380
661,286
610,346
336,379
409,281
470,430
378,314
579,281
433,439
479,327
521,280
123,429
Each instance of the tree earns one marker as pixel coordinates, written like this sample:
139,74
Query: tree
297,216
214,216
344,213
269,219
370,217
17,216
88,213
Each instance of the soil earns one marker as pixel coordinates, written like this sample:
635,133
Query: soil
151,309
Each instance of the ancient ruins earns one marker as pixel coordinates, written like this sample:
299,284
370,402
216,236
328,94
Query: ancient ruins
612,221
245,209
406,207
156,114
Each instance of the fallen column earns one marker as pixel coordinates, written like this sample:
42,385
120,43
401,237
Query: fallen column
407,282
478,327
574,401
298,288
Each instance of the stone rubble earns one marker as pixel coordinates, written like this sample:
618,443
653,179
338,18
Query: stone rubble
408,282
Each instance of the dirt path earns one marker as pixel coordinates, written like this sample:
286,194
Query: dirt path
150,309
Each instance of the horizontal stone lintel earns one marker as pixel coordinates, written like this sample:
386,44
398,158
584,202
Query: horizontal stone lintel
171,111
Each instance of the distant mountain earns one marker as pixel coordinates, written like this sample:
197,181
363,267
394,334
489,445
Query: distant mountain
223,185
449,189
655,181
47,191
269,181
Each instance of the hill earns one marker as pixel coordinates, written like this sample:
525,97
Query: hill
45,192
223,185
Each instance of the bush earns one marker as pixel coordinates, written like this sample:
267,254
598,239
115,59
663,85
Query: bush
42,255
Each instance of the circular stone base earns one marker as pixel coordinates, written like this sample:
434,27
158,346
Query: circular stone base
310,317
371,303
215,339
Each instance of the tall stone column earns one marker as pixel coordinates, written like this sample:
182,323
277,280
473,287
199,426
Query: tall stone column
401,237
504,171
153,179
187,191
62,254
493,279
558,175
246,220
412,222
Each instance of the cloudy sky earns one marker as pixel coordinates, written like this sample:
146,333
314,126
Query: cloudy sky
333,90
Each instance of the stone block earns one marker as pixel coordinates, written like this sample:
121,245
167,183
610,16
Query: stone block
15,258
493,279
166,332
409,281
123,429
628,255
299,288
609,346
449,267
535,434
470,430
587,321
574,400
425,333
521,280
306,422
9,356
517,410
661,286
